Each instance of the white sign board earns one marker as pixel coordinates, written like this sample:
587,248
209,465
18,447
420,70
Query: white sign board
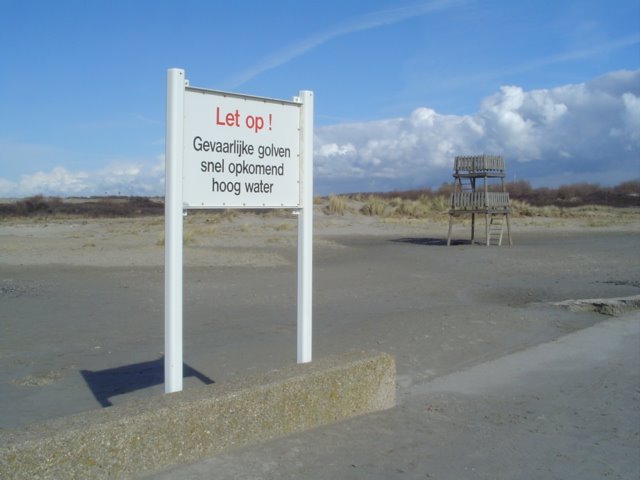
240,151
225,150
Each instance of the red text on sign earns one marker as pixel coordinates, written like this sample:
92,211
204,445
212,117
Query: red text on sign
231,119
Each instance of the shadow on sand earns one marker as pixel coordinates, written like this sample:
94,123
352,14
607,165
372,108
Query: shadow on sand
431,242
111,382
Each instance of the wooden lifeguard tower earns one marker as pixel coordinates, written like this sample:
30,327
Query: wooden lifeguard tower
470,197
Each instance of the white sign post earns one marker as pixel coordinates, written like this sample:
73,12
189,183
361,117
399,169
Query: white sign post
225,150
173,232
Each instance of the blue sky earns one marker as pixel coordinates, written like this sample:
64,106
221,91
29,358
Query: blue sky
401,87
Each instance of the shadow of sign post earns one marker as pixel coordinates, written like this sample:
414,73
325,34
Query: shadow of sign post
112,382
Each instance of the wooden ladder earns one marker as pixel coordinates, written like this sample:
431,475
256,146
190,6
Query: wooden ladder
496,229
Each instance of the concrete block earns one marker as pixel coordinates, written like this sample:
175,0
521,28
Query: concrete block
143,436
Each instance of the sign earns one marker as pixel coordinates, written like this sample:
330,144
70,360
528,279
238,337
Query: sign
240,151
226,150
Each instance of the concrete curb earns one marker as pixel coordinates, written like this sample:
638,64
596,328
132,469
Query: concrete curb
605,306
148,435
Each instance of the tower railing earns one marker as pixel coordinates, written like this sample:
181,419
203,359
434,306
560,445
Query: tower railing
479,163
475,200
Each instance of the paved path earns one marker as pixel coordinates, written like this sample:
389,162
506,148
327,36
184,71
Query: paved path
566,409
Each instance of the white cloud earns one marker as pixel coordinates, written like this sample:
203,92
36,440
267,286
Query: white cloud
582,132
59,179
589,129
332,149
363,22
598,49
116,179
536,64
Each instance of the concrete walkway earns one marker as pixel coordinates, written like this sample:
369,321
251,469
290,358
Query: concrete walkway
566,409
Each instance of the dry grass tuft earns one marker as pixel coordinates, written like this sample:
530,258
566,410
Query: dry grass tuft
524,209
374,206
424,207
188,237
283,227
337,205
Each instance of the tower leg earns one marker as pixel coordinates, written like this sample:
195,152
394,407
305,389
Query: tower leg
473,227
508,229
449,234
486,228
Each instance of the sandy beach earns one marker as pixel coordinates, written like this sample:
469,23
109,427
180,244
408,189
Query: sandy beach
81,318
